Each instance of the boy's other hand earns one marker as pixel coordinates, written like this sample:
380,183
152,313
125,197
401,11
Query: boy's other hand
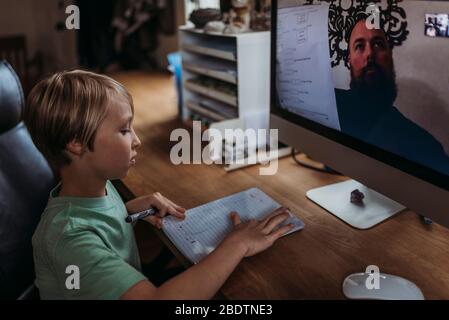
258,236
159,202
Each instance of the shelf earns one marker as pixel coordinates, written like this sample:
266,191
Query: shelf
211,93
218,34
196,108
229,55
225,82
218,107
216,74
220,111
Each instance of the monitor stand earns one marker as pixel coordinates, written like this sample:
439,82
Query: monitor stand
373,209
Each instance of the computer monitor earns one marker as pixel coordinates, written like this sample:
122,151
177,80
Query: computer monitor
364,88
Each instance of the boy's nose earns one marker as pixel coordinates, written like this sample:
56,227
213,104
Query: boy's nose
136,141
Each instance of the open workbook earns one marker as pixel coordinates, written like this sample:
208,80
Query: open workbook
205,227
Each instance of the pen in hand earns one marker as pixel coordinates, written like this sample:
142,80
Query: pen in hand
140,215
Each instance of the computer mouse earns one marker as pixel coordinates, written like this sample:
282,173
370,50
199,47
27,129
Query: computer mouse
390,288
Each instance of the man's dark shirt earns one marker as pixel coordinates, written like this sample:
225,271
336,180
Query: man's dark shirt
387,128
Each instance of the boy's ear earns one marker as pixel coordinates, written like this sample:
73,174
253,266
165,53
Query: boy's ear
75,148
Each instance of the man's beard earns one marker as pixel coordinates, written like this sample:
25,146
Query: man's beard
378,88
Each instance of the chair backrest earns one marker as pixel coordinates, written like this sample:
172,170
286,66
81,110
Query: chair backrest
25,182
13,49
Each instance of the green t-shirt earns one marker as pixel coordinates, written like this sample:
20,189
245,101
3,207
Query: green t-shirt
92,235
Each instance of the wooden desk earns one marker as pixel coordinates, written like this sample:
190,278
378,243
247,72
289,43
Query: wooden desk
311,263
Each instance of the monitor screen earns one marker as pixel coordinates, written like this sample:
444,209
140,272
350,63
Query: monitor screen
372,75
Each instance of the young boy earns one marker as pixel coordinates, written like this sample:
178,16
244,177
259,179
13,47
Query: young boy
82,123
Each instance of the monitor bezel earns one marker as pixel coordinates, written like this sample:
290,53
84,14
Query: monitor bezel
405,165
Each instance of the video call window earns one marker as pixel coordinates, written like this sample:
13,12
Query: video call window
386,85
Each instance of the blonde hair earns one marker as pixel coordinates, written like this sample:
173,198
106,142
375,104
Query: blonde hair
67,106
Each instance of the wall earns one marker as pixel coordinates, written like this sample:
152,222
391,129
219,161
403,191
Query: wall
422,72
37,20
168,44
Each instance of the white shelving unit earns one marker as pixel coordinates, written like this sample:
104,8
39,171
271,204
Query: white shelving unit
234,71
226,79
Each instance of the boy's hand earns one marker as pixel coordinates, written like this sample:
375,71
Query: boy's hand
159,202
257,236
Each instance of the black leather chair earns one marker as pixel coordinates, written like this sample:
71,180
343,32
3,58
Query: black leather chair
25,183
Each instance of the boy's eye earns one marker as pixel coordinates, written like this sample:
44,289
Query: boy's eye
125,131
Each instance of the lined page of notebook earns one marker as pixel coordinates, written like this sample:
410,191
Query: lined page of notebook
205,227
